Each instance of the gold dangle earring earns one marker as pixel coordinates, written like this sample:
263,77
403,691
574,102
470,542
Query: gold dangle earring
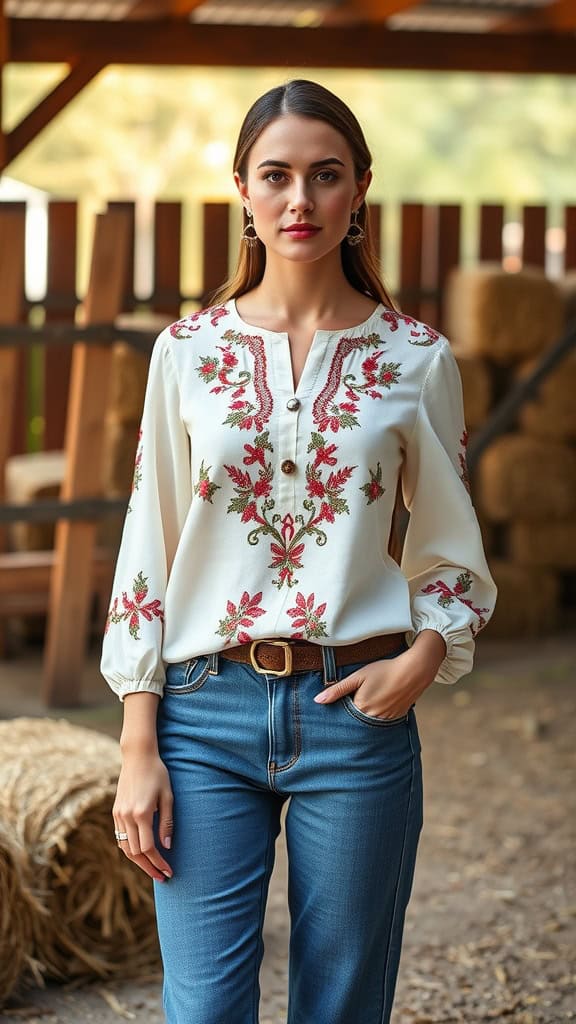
250,239
356,233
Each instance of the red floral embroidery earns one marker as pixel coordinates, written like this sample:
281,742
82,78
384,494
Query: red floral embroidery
373,489
241,615
307,618
205,489
329,414
133,609
242,413
462,586
418,330
184,328
462,460
326,481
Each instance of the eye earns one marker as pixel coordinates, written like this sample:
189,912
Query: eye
326,176
274,177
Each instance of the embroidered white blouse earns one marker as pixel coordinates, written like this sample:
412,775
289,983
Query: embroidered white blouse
260,511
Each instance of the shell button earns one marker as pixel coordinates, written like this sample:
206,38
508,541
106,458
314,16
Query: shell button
288,466
293,404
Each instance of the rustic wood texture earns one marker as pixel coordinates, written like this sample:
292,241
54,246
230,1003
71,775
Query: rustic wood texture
128,206
167,258
216,219
364,46
534,241
12,236
448,252
12,232
75,541
61,289
570,228
411,241
46,110
491,225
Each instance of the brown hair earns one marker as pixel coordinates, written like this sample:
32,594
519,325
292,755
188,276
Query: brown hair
307,99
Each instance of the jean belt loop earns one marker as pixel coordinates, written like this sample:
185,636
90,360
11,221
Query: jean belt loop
329,665
213,660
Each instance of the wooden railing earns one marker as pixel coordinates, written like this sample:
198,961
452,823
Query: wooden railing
428,242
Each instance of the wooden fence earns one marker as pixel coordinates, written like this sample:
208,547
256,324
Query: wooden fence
427,243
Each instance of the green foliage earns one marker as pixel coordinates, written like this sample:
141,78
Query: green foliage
171,132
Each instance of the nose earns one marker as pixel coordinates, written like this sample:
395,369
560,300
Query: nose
300,198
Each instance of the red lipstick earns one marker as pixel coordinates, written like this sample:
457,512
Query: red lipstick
302,230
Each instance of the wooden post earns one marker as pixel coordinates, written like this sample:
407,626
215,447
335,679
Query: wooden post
412,236
491,226
129,207
61,292
570,228
167,258
75,541
448,242
215,247
12,233
534,241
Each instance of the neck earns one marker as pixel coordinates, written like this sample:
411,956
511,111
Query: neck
302,292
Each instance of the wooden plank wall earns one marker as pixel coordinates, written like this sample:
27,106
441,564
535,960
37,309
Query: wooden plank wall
427,246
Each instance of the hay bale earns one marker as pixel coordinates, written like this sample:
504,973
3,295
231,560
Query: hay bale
528,601
31,477
99,919
120,442
128,383
503,316
18,907
476,386
521,477
552,413
548,544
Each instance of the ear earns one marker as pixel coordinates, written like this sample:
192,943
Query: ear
242,189
361,189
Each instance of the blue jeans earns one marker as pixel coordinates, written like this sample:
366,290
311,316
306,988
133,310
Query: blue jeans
237,745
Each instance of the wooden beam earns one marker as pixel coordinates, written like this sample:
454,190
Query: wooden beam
559,16
170,43
155,9
47,109
381,10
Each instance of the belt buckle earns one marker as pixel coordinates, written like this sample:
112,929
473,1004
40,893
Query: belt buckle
286,671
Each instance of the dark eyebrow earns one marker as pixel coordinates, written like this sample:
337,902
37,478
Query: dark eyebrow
317,163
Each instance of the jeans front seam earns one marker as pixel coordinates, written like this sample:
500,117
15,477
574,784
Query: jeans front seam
384,1017
269,847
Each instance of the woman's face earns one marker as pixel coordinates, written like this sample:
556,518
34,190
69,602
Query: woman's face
300,172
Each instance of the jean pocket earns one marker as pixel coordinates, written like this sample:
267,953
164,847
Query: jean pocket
355,711
186,676
362,716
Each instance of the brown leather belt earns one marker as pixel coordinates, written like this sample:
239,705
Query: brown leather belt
283,657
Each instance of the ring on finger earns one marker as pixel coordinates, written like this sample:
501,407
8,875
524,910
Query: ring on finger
121,837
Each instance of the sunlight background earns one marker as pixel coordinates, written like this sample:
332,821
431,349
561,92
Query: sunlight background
169,133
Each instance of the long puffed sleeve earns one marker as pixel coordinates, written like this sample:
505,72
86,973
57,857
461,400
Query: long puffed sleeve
160,499
451,589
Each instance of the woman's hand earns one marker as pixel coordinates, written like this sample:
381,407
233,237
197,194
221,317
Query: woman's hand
143,788
389,688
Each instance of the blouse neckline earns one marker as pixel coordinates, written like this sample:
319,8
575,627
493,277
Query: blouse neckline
319,333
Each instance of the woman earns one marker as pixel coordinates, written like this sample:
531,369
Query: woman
264,641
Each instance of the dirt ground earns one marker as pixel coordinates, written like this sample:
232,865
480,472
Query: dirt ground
491,928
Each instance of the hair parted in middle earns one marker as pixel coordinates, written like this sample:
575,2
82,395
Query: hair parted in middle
306,99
